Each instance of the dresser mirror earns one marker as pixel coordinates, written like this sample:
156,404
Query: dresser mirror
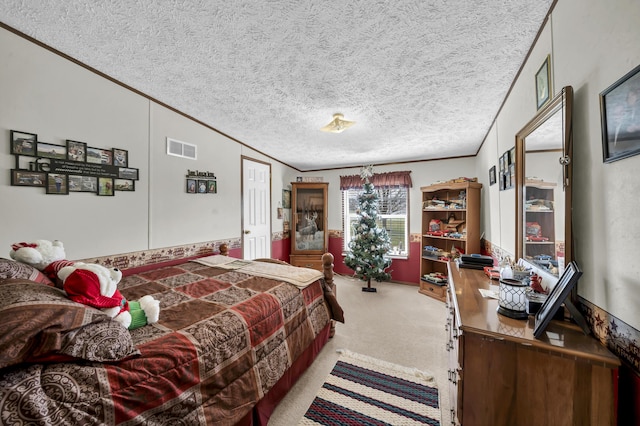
543,186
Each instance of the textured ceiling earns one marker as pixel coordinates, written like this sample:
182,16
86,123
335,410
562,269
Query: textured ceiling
423,79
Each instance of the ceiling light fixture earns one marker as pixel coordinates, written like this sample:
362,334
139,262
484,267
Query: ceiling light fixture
338,124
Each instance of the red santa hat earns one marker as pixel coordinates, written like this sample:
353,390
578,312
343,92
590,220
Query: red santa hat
83,286
52,270
17,246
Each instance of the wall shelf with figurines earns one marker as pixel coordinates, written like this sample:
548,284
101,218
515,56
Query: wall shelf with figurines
72,167
201,182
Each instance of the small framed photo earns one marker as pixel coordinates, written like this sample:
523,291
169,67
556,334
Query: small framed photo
286,199
192,186
105,186
49,150
99,156
120,157
27,178
23,143
124,185
76,151
202,187
280,212
512,176
620,115
128,173
543,83
557,296
80,183
212,186
492,175
57,183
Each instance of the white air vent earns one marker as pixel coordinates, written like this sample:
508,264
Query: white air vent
182,149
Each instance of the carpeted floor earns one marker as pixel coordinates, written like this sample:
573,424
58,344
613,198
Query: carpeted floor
361,390
396,324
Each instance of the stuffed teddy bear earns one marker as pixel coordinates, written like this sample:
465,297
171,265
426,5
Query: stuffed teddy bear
44,255
90,284
97,286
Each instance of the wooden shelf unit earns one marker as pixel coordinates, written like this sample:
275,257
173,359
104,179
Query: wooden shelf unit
543,216
451,208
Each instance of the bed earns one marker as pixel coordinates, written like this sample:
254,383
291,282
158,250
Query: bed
233,337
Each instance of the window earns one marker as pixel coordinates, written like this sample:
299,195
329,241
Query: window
392,216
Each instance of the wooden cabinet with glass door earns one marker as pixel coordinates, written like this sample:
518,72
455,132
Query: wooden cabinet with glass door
309,234
540,230
450,221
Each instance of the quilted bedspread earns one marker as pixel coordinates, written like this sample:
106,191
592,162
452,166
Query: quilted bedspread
224,338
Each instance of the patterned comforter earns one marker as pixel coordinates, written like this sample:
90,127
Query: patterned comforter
224,338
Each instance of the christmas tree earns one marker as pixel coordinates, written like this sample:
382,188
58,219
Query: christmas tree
370,244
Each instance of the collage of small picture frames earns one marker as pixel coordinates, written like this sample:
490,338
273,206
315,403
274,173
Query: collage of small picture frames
201,182
507,175
73,167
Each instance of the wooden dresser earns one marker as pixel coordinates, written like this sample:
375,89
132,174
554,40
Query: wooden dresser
499,374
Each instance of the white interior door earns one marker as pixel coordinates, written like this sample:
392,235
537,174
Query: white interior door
256,209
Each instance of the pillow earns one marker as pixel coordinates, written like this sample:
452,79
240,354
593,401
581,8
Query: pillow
13,269
39,323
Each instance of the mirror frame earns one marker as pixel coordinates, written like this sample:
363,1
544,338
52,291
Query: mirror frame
562,101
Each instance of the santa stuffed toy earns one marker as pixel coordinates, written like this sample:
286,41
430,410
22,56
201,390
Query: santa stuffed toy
97,286
44,255
87,283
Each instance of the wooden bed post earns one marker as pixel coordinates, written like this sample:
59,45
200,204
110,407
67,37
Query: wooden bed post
327,268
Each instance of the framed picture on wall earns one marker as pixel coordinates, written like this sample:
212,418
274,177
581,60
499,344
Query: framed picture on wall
99,156
191,186
79,183
286,199
203,187
49,150
23,143
124,185
492,175
27,178
543,83
620,115
213,186
57,183
120,157
128,173
105,186
76,151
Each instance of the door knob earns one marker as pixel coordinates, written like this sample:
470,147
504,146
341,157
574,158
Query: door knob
246,231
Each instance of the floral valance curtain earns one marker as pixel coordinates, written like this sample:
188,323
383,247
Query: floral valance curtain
379,180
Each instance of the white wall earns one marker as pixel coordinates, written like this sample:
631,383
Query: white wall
45,94
592,44
422,174
56,99
176,217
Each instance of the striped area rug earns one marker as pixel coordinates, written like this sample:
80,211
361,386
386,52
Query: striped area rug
361,390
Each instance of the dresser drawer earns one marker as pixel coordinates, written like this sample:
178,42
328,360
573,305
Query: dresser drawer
312,262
